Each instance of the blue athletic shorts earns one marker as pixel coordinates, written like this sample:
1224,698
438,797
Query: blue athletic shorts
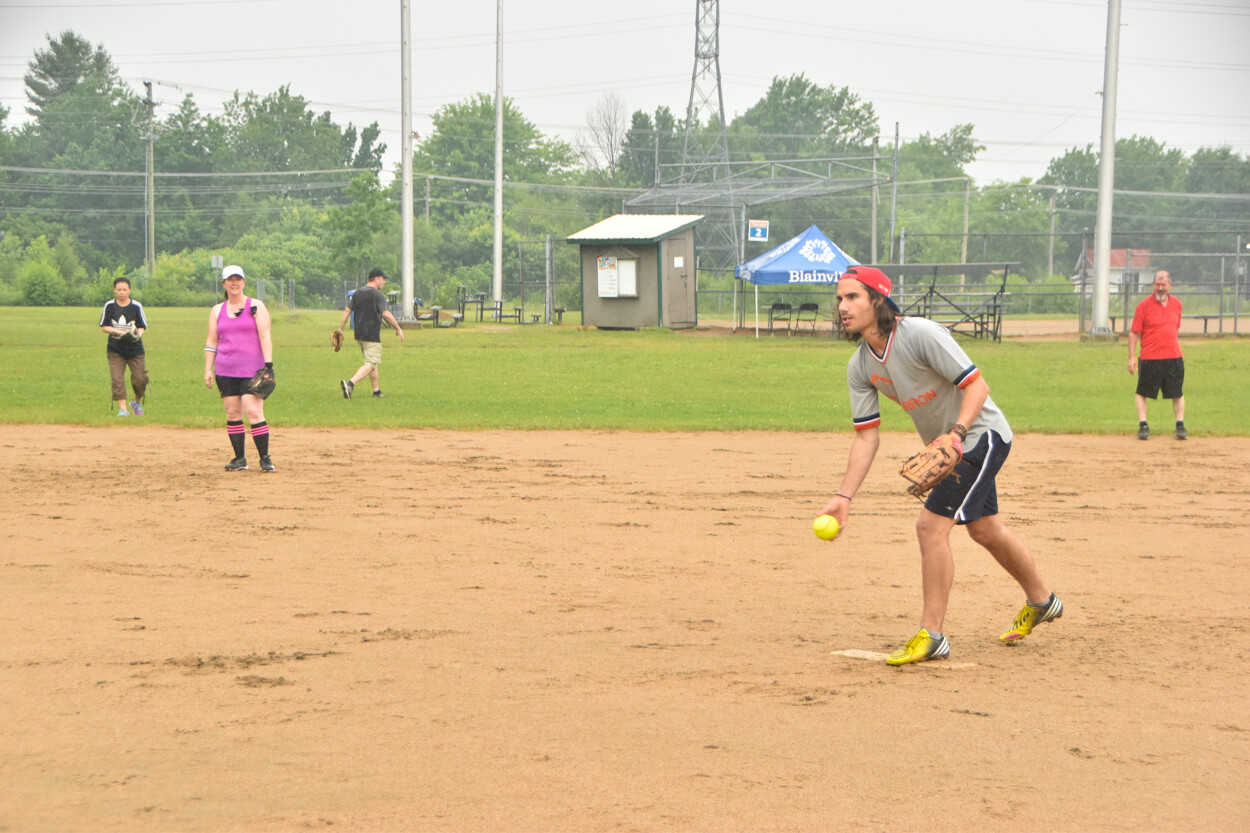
970,494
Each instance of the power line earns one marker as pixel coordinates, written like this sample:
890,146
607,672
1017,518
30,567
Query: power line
187,174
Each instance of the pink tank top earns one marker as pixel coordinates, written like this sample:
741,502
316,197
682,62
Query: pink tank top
238,343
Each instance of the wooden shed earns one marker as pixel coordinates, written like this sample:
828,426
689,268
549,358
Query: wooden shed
638,270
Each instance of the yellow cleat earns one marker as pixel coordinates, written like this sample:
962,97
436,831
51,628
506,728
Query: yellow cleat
919,648
1030,616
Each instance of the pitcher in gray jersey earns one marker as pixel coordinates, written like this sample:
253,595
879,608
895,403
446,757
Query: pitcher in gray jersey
919,365
926,372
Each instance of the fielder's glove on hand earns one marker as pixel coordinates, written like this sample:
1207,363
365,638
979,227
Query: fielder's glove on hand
263,383
933,465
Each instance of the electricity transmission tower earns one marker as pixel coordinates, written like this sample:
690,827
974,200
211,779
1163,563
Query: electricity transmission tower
705,149
706,181
706,155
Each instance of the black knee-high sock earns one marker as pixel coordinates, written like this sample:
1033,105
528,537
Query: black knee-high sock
260,436
234,427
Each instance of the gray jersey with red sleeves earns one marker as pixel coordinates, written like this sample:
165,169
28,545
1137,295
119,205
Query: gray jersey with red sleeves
924,370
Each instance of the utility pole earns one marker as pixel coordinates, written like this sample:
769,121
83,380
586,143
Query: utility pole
1100,321
549,277
894,194
1050,259
967,206
876,196
150,191
407,291
655,172
496,283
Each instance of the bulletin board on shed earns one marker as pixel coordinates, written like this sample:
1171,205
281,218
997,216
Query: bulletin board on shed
618,276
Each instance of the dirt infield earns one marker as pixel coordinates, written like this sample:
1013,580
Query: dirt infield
599,631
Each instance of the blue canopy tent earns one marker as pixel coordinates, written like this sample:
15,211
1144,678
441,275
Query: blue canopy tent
809,258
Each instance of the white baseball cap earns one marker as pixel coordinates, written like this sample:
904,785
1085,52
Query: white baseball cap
231,271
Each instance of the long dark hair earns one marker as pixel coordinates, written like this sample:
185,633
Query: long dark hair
886,315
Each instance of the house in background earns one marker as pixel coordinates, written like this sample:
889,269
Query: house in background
1130,272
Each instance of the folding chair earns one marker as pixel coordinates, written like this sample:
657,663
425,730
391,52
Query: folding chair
778,313
807,313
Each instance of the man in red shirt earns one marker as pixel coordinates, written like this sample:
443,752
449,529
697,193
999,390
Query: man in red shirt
1156,324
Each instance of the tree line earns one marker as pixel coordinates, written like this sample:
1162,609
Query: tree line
297,197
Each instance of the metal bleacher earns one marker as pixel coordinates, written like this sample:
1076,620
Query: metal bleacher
974,309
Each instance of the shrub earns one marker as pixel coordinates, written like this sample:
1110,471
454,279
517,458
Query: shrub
100,290
41,284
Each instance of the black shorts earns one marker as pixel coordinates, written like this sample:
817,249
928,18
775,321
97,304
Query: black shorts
970,493
232,385
1154,375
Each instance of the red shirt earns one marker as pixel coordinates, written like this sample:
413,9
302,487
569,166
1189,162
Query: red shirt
1158,324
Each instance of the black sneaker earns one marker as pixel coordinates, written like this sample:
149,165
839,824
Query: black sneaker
378,394
1181,433
266,464
1143,433
346,386
237,464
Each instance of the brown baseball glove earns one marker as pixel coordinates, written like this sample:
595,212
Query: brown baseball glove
933,465
336,340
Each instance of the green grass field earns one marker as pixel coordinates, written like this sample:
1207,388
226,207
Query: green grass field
538,377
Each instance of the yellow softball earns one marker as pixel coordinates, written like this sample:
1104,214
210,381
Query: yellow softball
826,527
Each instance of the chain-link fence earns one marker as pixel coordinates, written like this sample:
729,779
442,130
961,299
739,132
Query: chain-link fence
277,294
1213,289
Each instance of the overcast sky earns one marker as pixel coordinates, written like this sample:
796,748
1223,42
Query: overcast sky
1026,73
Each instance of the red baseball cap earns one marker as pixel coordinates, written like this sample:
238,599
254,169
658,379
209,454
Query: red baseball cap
873,278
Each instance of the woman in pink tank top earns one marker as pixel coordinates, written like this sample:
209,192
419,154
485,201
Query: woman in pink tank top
238,345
